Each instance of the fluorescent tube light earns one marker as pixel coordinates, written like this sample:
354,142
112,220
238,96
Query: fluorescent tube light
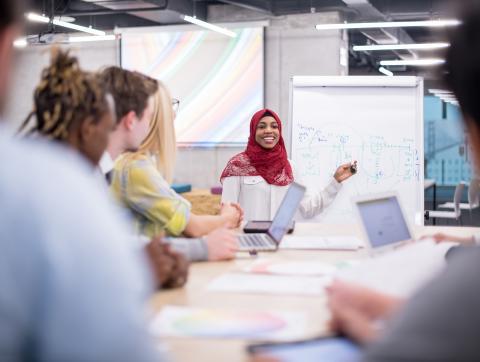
439,91
424,46
44,19
390,24
209,26
20,42
416,62
449,98
385,71
452,102
78,27
37,18
81,39
446,97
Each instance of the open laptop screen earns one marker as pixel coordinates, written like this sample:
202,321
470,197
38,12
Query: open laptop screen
286,211
383,221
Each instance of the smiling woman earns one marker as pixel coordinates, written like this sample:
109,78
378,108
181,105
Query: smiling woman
267,133
259,177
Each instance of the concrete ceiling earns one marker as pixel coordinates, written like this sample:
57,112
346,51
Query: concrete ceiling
107,14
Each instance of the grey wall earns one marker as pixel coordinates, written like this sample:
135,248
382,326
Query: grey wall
202,167
292,47
30,62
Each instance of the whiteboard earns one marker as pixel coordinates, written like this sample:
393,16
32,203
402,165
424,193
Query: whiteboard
377,121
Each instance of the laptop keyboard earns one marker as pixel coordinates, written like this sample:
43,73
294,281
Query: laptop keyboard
256,242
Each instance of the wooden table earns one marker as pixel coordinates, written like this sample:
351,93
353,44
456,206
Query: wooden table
195,294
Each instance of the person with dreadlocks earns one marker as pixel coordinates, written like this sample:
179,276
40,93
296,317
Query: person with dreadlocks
72,108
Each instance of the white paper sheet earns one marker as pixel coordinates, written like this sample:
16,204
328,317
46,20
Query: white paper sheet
175,321
269,284
321,242
401,271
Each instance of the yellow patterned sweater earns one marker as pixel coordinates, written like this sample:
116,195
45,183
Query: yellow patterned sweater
139,186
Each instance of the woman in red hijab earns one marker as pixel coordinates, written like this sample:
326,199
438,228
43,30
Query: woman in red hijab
258,178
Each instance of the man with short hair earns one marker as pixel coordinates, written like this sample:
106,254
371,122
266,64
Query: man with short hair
71,288
133,95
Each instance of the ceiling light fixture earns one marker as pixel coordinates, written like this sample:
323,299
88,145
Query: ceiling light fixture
67,19
448,98
439,91
43,19
391,24
209,26
413,62
20,42
385,71
445,96
424,46
81,39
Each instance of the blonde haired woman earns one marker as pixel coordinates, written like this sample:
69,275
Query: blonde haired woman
161,140
141,181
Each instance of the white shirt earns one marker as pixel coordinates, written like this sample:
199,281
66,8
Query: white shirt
260,200
106,163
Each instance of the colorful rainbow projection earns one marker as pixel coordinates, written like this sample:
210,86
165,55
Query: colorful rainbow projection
228,324
218,80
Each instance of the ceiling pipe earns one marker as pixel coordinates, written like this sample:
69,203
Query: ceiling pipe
250,7
381,36
113,12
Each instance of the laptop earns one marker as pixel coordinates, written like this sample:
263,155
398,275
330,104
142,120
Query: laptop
383,221
280,224
399,266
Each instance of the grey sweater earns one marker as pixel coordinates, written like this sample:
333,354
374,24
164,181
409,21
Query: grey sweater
192,249
442,321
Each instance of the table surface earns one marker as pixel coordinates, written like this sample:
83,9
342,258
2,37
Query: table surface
195,294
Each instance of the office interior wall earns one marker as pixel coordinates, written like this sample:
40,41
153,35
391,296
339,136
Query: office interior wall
292,47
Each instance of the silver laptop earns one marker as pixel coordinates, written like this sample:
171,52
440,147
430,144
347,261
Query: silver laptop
279,226
383,221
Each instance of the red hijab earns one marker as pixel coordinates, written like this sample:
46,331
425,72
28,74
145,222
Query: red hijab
271,164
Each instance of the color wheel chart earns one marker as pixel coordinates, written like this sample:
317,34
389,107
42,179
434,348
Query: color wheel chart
219,323
218,79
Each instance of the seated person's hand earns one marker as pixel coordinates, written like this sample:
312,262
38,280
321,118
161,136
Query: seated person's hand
441,237
179,274
240,210
170,269
344,171
222,244
356,310
231,214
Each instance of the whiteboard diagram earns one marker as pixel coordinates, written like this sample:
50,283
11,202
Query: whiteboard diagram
378,126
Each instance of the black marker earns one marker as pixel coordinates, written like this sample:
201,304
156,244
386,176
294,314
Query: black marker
353,168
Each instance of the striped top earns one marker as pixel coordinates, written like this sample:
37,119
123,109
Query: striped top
140,187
